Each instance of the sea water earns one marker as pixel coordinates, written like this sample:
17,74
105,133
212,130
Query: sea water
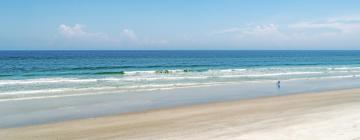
26,75
38,87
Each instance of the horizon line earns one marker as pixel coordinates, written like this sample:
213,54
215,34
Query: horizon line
192,50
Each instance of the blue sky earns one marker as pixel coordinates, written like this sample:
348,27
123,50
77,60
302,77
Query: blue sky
179,24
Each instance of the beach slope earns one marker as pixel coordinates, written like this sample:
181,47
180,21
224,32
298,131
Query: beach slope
324,115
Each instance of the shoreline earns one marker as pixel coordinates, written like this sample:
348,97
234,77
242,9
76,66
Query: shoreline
297,116
50,110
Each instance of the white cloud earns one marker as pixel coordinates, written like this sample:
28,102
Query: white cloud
330,31
340,31
68,31
129,35
340,26
269,32
226,31
344,19
77,32
125,37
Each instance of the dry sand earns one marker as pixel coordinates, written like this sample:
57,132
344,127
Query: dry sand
326,115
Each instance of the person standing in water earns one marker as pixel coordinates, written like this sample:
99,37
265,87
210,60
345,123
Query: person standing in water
278,84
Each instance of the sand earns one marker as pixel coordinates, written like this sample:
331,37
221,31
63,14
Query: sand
324,115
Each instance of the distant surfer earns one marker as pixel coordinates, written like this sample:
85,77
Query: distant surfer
278,84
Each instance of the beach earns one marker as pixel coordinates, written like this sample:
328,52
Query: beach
179,94
179,70
321,115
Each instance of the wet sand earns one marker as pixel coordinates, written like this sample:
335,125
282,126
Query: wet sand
323,115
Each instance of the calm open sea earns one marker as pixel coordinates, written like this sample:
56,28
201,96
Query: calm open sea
46,74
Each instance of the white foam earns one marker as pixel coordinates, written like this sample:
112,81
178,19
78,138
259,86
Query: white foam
151,80
101,91
45,81
53,91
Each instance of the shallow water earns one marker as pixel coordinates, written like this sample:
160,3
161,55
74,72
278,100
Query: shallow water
26,75
45,110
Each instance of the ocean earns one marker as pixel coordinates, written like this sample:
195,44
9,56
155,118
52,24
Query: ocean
26,75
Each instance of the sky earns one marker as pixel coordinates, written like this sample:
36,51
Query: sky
179,25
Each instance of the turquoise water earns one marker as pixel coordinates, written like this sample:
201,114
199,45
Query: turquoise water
47,74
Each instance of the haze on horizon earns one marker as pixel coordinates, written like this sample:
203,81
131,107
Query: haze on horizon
179,24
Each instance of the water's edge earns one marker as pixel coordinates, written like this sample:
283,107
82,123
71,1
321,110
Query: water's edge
49,110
